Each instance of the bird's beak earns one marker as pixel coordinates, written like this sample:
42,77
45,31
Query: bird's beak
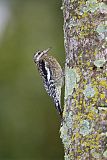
47,50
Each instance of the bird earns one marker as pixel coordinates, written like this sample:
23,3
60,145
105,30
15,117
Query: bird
52,76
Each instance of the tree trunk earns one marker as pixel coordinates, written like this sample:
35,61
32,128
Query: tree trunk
84,125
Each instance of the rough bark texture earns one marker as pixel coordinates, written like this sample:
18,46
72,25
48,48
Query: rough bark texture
84,125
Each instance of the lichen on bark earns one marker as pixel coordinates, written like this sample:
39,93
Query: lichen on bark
84,125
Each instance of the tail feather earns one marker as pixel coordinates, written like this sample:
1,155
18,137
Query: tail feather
55,93
58,108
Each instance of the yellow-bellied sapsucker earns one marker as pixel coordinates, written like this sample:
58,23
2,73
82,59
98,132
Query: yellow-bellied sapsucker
52,76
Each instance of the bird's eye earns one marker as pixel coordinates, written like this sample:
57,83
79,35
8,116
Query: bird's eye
39,53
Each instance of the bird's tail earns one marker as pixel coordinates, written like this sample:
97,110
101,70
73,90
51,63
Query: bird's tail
58,108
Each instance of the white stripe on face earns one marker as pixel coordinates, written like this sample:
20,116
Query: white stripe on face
38,56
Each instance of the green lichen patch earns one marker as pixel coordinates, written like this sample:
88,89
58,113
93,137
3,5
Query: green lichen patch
102,108
89,91
103,7
71,79
63,136
95,154
65,127
67,157
101,28
99,62
105,154
85,127
91,5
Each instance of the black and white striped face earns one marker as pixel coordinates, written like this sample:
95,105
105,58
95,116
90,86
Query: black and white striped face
38,55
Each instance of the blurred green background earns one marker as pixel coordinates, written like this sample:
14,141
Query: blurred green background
29,124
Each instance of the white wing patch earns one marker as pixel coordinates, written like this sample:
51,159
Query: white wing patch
48,72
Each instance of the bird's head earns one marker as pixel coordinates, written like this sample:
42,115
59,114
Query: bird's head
39,54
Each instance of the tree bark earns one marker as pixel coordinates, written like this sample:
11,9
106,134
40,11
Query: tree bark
84,126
